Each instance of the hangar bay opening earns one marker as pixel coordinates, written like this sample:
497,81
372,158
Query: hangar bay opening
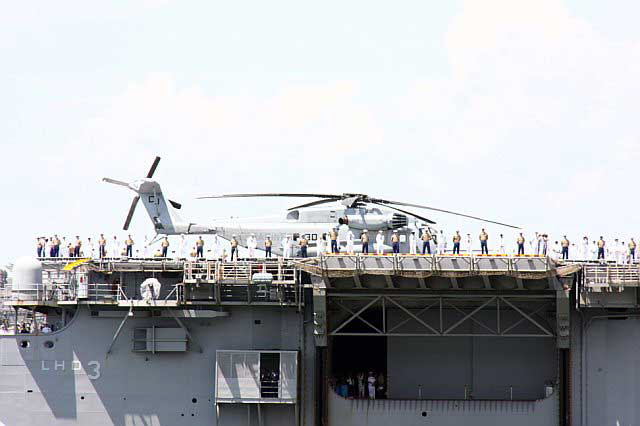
444,346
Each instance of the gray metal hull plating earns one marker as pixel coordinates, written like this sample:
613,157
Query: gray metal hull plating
75,383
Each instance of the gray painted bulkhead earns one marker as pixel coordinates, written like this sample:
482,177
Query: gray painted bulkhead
489,368
605,368
53,386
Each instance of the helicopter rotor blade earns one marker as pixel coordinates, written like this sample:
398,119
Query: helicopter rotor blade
284,194
399,203
153,168
132,209
313,203
424,219
354,200
115,182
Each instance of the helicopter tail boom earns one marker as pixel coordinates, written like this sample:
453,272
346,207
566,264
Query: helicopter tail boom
163,213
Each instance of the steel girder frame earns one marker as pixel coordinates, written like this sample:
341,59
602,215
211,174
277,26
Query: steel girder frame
446,305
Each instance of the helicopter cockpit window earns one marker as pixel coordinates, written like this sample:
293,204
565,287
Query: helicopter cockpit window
374,211
293,215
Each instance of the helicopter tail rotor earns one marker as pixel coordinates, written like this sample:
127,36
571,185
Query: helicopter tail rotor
132,209
154,202
136,188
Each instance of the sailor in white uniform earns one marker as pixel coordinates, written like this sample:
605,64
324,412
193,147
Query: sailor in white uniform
371,385
573,252
215,247
593,251
115,247
436,243
286,246
350,242
252,243
555,251
182,247
320,245
412,242
622,252
90,248
585,252
47,244
380,242
501,248
442,243
612,251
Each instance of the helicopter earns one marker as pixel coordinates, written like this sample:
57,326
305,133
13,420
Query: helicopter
343,213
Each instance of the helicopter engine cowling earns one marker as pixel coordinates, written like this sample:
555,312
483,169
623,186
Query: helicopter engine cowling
399,221
374,222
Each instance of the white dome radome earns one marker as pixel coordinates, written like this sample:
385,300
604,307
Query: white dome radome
27,277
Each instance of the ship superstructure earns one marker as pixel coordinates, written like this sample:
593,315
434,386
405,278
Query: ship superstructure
448,340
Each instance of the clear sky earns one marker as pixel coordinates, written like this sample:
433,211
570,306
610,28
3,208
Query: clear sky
523,112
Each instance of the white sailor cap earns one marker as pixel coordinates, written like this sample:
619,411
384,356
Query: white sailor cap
233,235
395,230
364,230
253,235
380,231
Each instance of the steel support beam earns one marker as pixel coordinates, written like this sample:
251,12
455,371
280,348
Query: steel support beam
524,314
472,313
473,319
470,296
521,320
415,317
437,324
357,315
118,331
406,320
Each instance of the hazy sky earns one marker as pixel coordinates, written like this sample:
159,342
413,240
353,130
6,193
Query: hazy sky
524,112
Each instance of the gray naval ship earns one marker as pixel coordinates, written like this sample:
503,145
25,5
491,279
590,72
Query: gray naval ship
335,339
332,339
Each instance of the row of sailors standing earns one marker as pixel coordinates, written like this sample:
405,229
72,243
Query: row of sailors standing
331,242
596,250
51,247
618,251
439,242
348,237
59,247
